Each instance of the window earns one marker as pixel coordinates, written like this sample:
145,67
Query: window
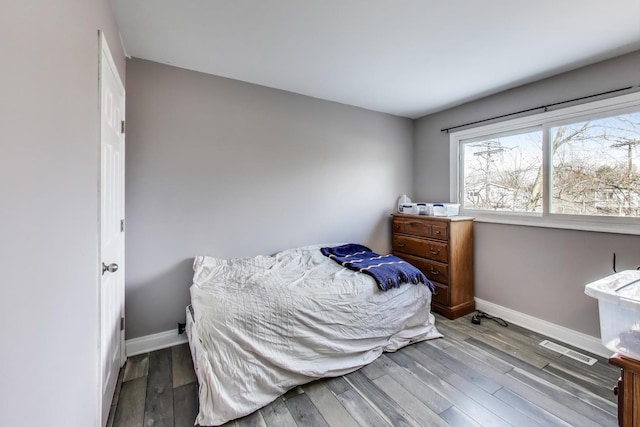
596,166
578,167
502,173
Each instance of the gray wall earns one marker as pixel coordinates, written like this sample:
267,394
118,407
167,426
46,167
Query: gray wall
230,169
537,271
49,122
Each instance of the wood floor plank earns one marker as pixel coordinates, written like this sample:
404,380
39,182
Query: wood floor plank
474,358
337,385
328,405
464,370
450,330
182,365
293,392
518,336
570,408
502,336
455,418
489,369
533,411
130,409
536,338
599,388
482,355
448,380
570,400
562,383
379,399
464,326
252,420
470,407
594,374
136,367
453,329
417,410
185,404
498,351
425,393
600,373
373,370
441,343
276,414
524,353
159,402
360,409
304,412
450,370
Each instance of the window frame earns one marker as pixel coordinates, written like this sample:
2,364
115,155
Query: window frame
544,121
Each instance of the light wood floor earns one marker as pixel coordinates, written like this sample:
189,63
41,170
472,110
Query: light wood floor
478,375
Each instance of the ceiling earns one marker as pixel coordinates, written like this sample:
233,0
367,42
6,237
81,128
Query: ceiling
408,58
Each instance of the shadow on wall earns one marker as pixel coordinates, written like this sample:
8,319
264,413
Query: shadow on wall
159,302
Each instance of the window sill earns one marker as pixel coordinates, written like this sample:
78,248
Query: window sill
610,225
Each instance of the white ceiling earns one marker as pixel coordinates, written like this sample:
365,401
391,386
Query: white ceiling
403,57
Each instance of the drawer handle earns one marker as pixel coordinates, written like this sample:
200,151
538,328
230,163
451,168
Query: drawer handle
435,291
434,272
437,232
434,251
401,245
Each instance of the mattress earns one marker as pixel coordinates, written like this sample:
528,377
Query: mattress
260,326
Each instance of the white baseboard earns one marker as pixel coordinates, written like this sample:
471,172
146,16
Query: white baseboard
560,333
154,342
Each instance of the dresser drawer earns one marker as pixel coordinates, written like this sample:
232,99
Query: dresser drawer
417,228
440,294
398,225
435,271
439,231
431,249
420,228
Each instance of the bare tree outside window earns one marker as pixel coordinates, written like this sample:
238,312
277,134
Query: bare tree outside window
595,169
501,173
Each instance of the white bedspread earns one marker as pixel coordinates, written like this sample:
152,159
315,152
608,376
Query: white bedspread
269,323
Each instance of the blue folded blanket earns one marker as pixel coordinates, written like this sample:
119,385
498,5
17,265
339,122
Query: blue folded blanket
389,271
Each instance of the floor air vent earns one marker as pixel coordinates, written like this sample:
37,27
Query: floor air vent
568,352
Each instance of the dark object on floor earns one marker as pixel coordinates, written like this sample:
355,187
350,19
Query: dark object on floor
475,319
482,315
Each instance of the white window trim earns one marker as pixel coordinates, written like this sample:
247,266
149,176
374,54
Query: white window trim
546,119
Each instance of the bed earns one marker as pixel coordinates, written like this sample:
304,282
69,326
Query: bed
260,326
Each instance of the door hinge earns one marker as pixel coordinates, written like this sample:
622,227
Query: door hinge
122,323
122,225
121,126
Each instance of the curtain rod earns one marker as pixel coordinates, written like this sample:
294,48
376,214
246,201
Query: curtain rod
545,107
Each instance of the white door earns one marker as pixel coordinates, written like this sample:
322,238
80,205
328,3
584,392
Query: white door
112,101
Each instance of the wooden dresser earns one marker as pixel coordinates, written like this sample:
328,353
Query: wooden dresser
628,389
442,248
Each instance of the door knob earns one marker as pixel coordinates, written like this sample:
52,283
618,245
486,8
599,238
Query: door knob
111,268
